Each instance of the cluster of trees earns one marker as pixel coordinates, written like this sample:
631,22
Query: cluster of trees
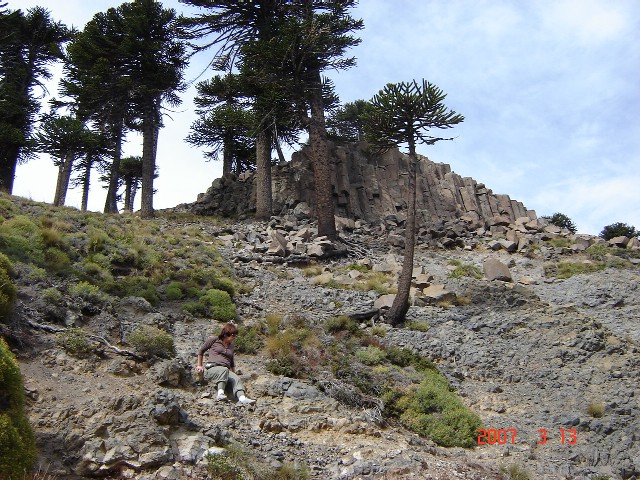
119,72
128,62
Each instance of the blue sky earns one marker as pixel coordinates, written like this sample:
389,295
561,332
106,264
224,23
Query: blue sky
550,91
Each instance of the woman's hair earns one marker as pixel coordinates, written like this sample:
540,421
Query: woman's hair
227,330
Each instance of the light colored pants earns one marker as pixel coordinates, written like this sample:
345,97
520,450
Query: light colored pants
224,379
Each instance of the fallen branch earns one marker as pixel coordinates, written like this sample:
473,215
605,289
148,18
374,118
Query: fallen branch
119,351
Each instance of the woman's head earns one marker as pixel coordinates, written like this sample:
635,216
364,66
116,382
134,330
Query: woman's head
228,330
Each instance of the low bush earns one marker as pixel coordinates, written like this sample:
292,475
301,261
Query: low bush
88,292
466,271
418,326
133,286
371,355
568,269
8,290
174,291
249,339
17,442
342,323
596,410
74,341
237,463
151,341
434,411
515,472
293,352
219,305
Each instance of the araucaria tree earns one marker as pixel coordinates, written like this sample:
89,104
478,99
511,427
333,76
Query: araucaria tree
121,69
405,113
317,40
288,44
28,44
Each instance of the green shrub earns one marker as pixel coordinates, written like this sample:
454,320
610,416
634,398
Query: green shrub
8,292
598,251
435,411
52,295
403,357
559,242
20,240
74,341
569,269
418,326
133,286
561,220
97,240
342,323
224,284
371,355
17,442
219,305
292,352
619,229
515,472
220,468
6,265
248,339
55,260
596,410
88,292
466,271
151,341
174,291
196,309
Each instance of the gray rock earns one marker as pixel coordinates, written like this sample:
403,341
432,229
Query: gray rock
494,269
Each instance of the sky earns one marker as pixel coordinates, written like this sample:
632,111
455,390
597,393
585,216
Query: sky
550,92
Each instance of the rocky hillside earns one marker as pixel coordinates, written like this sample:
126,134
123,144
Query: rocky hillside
538,332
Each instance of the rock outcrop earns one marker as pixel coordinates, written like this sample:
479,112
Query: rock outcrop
367,186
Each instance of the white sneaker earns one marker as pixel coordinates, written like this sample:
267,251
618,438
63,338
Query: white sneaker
245,400
221,396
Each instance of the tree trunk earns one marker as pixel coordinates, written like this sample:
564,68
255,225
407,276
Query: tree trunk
264,202
128,202
227,156
276,143
8,168
64,175
111,203
321,165
149,127
400,305
86,182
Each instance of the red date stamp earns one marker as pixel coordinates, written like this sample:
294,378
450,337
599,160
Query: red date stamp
502,436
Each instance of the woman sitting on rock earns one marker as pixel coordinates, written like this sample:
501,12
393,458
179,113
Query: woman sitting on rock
220,366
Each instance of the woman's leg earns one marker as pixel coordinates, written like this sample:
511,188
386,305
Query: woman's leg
235,384
219,376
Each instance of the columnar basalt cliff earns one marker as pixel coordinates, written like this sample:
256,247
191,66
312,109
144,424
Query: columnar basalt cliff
366,186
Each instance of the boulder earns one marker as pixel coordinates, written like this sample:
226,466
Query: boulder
494,269
435,294
620,242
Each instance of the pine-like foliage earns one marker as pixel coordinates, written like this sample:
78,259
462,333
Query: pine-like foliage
405,113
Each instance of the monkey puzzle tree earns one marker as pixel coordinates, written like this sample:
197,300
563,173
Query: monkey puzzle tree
315,39
225,122
62,137
28,45
405,113
127,62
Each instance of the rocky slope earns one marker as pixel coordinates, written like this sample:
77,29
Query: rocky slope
535,353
